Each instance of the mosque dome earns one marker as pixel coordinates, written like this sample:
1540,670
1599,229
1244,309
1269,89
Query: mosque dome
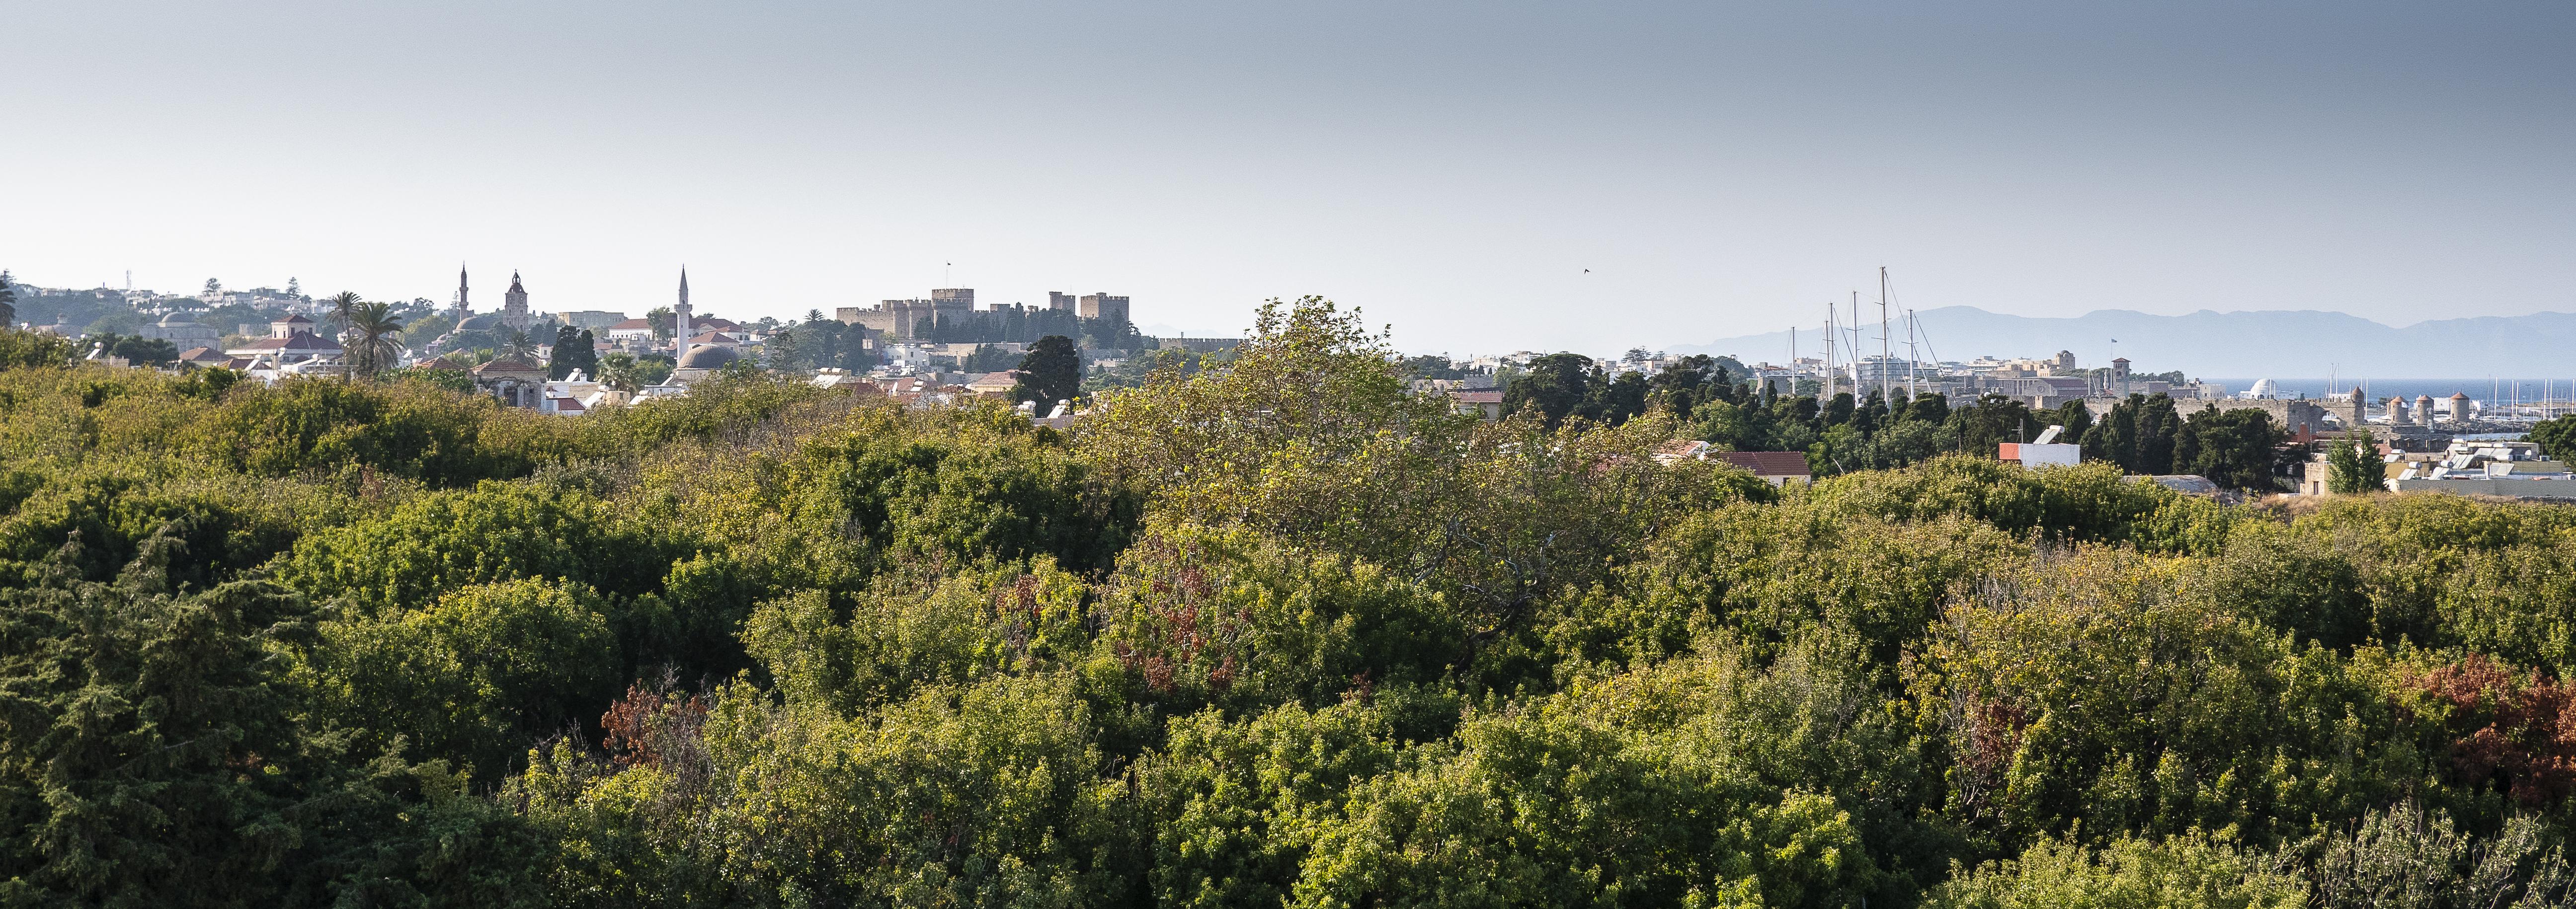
485,322
709,356
176,319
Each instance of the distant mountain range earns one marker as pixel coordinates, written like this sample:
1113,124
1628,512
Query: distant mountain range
2205,344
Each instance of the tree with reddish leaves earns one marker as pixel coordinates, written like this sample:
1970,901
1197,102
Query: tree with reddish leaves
2520,728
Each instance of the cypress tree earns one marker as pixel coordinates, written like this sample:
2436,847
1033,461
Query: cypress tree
1051,372
2077,418
2350,470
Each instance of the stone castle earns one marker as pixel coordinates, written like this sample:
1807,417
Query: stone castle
910,320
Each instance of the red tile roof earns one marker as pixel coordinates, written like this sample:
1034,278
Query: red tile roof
1771,463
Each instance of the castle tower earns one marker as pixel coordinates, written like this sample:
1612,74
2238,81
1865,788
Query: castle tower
680,317
1103,306
514,305
461,307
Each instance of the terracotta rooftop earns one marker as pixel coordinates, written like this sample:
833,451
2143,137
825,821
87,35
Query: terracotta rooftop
1771,463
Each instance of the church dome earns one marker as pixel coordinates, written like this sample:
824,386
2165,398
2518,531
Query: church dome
709,356
176,319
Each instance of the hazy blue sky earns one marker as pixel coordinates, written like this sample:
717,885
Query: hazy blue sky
1451,168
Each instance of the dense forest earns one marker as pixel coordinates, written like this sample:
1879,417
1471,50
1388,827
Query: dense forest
1273,632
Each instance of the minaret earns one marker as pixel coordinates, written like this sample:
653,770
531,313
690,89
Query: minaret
680,313
461,307
514,305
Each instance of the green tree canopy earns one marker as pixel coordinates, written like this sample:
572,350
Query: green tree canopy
2557,437
1051,372
2352,466
1263,628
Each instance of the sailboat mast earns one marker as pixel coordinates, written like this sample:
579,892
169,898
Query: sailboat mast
1886,392
1833,378
1913,360
1825,390
1829,377
1854,330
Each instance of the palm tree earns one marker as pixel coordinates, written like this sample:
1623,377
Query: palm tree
344,307
518,345
617,371
378,335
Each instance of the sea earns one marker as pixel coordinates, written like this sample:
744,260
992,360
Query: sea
2488,392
